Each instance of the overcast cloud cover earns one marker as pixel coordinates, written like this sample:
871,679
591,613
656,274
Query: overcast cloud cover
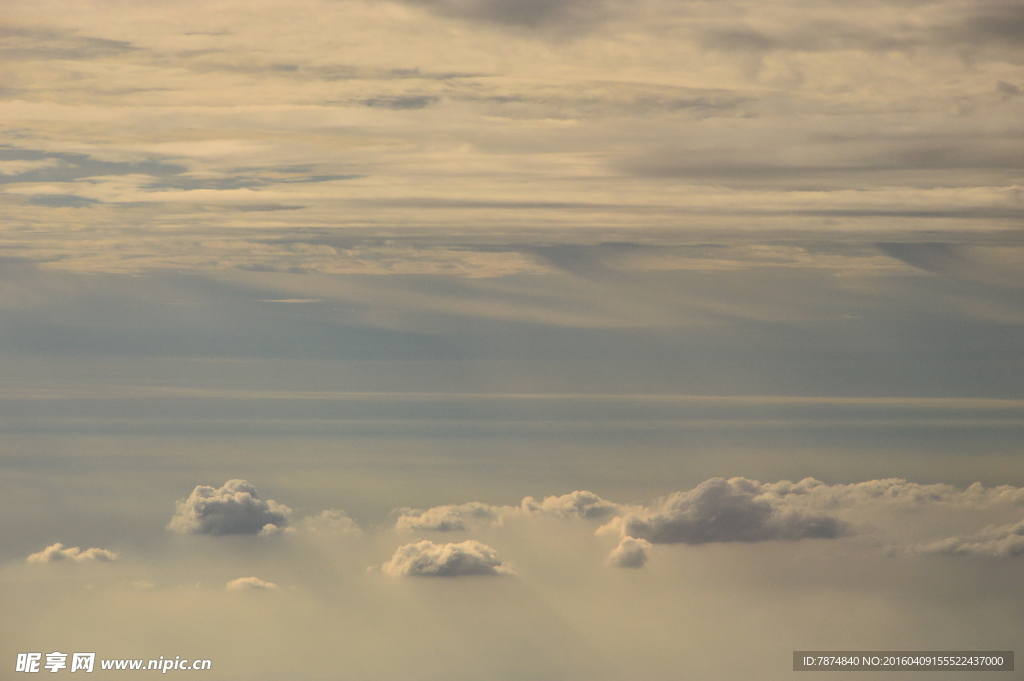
510,339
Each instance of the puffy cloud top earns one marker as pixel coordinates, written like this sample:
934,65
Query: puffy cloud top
630,553
1002,541
891,491
720,510
245,583
427,559
56,552
580,503
445,518
234,508
461,517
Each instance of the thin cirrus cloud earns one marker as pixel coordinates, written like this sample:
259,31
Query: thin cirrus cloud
979,26
574,15
56,552
716,122
234,508
427,559
28,44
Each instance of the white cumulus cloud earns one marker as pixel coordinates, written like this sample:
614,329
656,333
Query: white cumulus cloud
427,559
446,518
580,503
887,491
245,583
720,510
57,552
271,529
234,508
630,553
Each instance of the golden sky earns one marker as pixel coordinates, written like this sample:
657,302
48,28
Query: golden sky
510,339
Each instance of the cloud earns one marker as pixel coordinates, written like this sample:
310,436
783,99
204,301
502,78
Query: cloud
570,14
817,36
270,529
1001,541
981,25
1008,89
417,102
57,552
580,503
720,510
742,510
330,520
998,23
19,167
630,553
18,44
427,559
458,518
811,493
60,201
245,583
445,518
1001,266
234,508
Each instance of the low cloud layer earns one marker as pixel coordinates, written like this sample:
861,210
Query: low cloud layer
810,493
720,510
234,508
742,510
57,552
1000,541
427,559
247,583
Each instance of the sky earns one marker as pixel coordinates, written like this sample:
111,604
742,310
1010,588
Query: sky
497,340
